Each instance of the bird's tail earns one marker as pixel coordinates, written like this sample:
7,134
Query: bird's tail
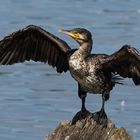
116,79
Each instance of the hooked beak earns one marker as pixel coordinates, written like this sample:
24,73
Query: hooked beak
68,32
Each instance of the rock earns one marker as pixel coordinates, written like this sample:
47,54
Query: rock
88,129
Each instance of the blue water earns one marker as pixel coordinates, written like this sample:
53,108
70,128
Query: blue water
33,97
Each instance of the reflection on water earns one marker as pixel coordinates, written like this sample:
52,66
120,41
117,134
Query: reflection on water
33,97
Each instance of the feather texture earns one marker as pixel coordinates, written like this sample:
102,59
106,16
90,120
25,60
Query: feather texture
34,43
126,62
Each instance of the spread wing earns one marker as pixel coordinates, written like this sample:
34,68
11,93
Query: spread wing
34,43
125,62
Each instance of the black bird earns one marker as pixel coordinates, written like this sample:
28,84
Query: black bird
94,73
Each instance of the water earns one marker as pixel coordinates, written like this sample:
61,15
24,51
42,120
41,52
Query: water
33,97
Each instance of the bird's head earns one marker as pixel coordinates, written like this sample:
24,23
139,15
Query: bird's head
81,35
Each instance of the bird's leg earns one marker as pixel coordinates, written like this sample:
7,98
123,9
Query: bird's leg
100,116
83,113
83,108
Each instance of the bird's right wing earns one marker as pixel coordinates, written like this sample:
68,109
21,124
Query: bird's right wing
125,62
34,43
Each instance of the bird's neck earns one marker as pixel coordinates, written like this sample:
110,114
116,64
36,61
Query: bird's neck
85,48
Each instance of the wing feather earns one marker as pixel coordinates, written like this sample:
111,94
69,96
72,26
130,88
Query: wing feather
34,43
126,62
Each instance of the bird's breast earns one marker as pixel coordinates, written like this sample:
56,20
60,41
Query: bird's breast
85,74
77,66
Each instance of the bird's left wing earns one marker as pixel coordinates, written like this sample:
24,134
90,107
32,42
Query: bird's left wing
34,43
125,62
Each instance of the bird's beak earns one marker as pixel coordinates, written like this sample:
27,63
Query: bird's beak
68,32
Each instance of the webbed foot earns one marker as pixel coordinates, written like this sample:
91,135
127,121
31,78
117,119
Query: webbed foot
80,115
100,117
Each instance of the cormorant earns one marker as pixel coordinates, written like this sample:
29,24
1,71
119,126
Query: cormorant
94,73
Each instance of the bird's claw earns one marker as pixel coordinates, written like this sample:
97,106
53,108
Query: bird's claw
100,117
80,115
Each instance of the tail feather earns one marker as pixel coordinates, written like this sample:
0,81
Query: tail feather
116,79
